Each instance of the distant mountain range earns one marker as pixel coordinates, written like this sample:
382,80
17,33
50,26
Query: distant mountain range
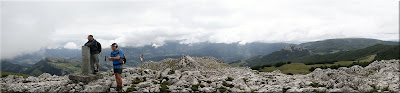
52,65
326,51
66,61
226,52
343,44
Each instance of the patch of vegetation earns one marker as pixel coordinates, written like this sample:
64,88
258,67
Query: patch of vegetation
278,56
165,83
374,89
279,64
202,86
229,79
285,89
5,74
382,52
5,91
316,85
301,68
260,67
195,87
136,81
385,88
363,64
344,58
267,65
330,87
154,82
69,66
227,85
75,81
164,87
131,89
171,72
222,89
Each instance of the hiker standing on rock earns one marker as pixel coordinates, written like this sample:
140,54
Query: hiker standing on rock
95,49
115,56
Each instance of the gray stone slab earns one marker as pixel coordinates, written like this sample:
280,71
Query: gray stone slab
85,60
85,78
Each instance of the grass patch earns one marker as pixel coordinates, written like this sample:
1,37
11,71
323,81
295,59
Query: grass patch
195,87
222,89
227,85
5,74
131,89
316,85
301,68
68,66
385,88
164,87
171,72
136,81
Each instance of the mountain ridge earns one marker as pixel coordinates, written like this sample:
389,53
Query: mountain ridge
283,56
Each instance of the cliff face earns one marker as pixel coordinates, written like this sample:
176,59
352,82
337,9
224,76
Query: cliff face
208,74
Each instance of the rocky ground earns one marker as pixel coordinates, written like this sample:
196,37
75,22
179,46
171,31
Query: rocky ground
208,74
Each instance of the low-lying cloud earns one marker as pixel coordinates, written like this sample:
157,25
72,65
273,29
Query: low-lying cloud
31,26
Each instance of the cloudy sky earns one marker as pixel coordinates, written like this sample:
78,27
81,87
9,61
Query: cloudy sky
28,26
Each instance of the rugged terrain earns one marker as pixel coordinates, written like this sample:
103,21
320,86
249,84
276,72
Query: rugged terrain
209,74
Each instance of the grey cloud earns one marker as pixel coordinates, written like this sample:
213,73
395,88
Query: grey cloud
46,24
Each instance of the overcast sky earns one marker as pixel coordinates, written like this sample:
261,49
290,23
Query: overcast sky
28,26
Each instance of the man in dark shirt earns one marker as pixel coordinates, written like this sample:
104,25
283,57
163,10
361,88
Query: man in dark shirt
94,53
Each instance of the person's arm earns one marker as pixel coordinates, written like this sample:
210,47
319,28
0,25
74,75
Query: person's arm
90,44
109,58
86,43
116,58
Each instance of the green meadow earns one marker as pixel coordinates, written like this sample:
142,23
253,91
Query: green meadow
301,68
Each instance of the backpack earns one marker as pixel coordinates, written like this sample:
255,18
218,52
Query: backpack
122,59
99,47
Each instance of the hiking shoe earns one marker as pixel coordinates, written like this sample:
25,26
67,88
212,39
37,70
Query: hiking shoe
94,72
119,88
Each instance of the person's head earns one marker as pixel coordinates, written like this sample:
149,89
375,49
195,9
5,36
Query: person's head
114,46
90,37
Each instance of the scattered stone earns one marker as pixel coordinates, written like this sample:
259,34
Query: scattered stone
208,74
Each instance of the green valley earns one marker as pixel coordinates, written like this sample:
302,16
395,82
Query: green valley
301,68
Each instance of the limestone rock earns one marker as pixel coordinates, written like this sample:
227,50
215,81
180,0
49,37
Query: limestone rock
208,74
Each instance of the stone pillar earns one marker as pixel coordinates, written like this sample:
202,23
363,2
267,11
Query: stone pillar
85,76
85,60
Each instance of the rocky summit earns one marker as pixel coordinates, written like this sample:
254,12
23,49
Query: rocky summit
208,74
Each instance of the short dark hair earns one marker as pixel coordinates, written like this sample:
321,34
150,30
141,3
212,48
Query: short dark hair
114,45
91,35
